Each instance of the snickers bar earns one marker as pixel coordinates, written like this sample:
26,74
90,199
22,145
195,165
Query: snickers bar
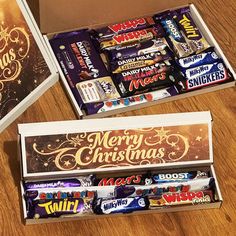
204,75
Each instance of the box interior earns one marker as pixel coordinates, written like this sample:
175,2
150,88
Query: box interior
95,12
207,168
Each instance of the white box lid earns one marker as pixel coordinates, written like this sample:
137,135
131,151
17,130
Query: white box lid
62,149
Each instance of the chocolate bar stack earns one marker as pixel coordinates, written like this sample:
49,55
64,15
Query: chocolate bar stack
125,193
137,61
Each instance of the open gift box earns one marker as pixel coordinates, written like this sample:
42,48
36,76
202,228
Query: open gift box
171,143
94,15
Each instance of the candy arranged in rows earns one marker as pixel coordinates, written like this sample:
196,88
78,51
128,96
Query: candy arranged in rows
155,57
120,194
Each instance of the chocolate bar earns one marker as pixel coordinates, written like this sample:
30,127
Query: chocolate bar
95,108
64,183
198,60
142,72
165,78
143,48
97,90
59,207
176,39
160,188
191,32
184,198
123,205
204,75
59,193
78,56
123,180
176,177
124,27
148,179
139,61
132,37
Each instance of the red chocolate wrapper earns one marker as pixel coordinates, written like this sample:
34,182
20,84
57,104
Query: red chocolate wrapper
133,37
123,27
183,198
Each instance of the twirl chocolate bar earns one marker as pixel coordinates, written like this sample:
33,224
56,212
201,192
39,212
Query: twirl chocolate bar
133,37
139,61
59,207
124,27
191,32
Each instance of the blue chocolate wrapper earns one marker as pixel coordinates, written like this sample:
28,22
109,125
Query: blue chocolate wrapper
198,60
204,75
123,205
177,177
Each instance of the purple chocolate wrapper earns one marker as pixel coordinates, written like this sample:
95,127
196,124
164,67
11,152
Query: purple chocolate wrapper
64,183
58,207
142,48
78,58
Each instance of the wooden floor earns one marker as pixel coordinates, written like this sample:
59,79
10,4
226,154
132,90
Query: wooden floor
53,105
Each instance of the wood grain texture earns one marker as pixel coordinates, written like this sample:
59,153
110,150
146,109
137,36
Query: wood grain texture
220,16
